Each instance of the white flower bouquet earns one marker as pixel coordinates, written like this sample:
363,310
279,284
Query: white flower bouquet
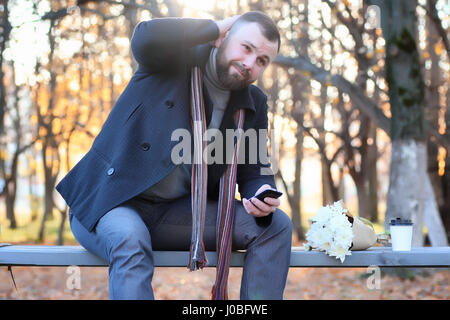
335,231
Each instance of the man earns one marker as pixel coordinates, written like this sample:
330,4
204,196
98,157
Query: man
127,197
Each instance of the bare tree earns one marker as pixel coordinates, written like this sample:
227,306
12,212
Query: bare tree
9,169
5,32
406,92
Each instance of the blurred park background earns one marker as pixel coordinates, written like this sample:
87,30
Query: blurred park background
358,99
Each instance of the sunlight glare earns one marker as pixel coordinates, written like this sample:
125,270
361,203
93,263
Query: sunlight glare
204,5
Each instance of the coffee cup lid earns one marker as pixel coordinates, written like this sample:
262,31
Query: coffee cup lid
400,222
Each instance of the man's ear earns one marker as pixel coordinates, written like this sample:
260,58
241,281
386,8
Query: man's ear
219,41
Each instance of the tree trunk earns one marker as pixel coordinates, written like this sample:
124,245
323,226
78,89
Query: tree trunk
432,219
445,208
327,192
48,195
6,30
131,16
298,88
61,228
34,199
300,92
296,208
406,194
436,231
10,199
11,182
362,190
48,144
372,159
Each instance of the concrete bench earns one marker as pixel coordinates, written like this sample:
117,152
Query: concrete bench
34,255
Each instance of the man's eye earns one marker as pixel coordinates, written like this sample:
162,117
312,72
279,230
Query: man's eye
262,62
246,47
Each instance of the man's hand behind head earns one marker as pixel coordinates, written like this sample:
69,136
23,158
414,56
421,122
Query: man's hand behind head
224,26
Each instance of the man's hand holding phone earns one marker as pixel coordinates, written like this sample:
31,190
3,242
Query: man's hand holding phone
264,202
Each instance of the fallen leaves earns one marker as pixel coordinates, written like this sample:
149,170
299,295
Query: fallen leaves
178,283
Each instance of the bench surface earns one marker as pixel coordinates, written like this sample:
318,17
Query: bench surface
33,255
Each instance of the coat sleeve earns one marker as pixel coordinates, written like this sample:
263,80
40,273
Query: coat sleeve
165,43
250,177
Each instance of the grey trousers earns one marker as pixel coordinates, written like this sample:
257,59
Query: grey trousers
126,236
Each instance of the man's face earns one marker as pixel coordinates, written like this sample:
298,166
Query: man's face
243,56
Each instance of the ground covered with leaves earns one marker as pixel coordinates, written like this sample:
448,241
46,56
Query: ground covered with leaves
179,283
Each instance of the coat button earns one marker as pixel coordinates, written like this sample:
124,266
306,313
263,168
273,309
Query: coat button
110,171
145,146
169,103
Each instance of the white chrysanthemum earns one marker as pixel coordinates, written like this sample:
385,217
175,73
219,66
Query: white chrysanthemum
337,207
339,221
330,231
345,237
339,252
320,238
325,246
322,215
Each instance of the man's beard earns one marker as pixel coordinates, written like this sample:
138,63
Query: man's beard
230,81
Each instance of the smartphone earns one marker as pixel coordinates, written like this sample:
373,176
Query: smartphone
271,193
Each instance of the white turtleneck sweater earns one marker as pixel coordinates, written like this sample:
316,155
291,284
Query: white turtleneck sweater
178,183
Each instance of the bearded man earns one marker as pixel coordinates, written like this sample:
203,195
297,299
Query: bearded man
127,195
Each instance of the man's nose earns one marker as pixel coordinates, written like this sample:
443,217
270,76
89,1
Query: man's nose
249,62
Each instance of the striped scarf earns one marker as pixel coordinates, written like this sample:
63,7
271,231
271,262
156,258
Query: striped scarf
199,180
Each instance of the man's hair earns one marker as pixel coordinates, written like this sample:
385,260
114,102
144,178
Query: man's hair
268,27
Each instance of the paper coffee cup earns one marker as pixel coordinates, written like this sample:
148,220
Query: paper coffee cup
401,234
